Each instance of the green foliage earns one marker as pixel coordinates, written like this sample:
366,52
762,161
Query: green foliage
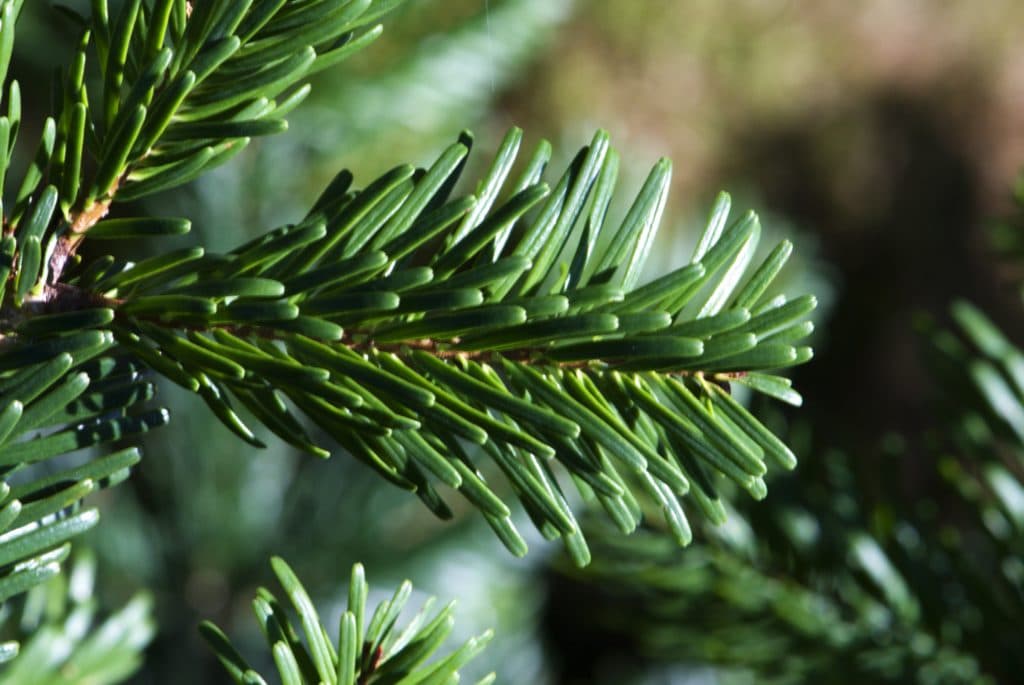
406,325
462,336
440,338
65,644
979,543
81,398
370,647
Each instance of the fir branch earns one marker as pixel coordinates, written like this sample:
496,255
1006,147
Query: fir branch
406,322
370,647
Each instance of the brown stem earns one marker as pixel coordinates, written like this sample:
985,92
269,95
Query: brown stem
525,355
365,344
61,297
80,224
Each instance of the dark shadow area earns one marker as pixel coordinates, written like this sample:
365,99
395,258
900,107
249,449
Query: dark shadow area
892,194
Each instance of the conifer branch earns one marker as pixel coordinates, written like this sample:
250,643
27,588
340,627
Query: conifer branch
370,646
426,332
452,343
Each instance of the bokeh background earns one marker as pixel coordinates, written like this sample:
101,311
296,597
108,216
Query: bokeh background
883,135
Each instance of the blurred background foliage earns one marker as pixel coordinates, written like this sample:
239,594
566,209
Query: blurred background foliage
883,134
